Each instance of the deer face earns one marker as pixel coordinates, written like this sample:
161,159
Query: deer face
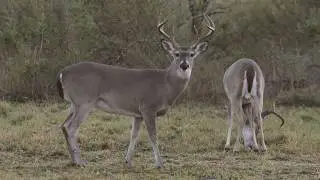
183,57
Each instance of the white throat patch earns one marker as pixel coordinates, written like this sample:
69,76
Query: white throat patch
184,74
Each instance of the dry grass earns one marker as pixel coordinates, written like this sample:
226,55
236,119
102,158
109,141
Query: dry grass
191,139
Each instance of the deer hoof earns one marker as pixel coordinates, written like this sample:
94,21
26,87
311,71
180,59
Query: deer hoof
227,148
129,164
80,163
159,165
263,149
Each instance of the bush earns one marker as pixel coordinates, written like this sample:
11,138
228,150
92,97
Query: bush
41,37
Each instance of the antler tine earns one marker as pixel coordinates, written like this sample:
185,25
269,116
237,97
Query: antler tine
160,28
266,113
210,26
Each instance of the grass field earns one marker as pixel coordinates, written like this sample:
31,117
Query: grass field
191,140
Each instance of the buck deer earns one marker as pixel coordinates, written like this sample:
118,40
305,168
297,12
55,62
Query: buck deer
244,86
142,94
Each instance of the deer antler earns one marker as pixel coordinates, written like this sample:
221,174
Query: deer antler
210,25
160,28
266,113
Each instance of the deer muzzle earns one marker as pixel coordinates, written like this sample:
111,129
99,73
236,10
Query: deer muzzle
184,65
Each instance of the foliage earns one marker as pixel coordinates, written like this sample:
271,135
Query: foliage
38,38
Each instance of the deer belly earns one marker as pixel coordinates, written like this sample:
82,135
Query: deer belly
116,109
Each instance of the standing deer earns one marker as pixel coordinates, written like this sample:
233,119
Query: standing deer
244,86
142,94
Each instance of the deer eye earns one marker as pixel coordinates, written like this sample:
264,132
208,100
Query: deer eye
191,54
176,54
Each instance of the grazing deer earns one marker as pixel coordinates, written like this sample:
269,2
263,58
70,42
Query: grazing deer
142,94
244,86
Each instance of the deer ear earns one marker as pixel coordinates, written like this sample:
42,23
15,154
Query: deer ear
167,45
201,47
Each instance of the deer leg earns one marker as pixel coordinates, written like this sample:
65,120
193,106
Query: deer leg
68,119
69,129
71,113
254,137
149,119
260,124
238,113
236,147
230,122
133,140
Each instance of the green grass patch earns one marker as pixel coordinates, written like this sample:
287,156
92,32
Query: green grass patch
191,139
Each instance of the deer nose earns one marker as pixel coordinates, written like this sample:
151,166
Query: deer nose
184,65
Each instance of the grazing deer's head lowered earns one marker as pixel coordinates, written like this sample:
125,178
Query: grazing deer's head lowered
247,132
142,94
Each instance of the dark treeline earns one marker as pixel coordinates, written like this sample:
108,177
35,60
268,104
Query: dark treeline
40,37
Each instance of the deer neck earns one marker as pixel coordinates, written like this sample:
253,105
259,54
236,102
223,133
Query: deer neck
177,81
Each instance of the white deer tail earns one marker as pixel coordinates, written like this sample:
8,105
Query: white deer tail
246,94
